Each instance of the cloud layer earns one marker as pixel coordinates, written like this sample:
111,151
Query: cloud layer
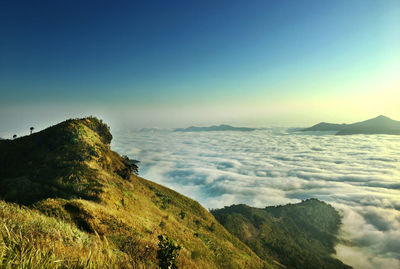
359,175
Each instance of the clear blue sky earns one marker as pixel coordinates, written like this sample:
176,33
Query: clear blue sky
197,61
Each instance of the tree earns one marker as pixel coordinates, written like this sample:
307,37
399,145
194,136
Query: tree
14,136
32,129
130,167
167,252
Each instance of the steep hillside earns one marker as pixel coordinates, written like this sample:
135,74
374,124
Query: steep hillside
82,207
297,235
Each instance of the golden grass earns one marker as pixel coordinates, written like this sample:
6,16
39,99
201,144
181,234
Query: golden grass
107,221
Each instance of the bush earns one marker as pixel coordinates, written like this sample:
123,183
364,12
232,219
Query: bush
167,252
130,167
182,214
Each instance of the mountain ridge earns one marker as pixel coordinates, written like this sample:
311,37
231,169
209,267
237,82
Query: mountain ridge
377,125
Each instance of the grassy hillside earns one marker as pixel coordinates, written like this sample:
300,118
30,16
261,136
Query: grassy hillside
297,235
69,201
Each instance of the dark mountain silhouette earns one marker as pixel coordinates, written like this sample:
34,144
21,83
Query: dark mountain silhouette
378,125
222,127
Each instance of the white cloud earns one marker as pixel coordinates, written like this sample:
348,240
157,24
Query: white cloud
359,175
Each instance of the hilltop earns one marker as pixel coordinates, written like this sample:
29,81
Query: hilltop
378,125
80,195
214,128
68,201
299,235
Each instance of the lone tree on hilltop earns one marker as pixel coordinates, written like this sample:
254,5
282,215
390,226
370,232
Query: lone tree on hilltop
14,136
32,129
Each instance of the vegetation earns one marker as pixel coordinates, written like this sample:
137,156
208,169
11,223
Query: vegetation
28,239
67,204
130,167
167,253
297,235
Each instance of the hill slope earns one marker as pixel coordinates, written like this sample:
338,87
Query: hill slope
378,125
297,236
83,208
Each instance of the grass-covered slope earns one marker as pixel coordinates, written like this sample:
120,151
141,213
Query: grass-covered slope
69,202
297,235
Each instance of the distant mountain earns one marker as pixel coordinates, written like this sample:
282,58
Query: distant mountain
222,127
378,125
150,130
325,127
298,236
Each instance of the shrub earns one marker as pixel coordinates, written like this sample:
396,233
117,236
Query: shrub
167,252
182,214
130,167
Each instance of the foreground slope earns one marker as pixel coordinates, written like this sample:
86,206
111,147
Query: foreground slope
297,235
378,125
83,208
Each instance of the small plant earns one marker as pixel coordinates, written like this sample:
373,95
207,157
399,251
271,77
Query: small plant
167,252
162,224
182,214
211,228
135,247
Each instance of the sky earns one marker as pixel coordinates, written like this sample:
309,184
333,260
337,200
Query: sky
179,63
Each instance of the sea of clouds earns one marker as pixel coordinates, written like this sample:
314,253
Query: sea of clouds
359,175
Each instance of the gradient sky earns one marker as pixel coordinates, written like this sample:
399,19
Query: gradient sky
174,63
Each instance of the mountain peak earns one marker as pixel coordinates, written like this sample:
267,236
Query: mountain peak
62,161
382,117
77,126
